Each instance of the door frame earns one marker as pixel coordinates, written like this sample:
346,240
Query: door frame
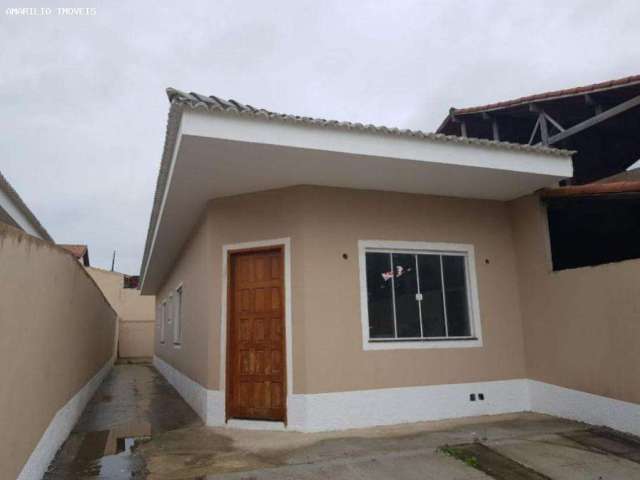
225,317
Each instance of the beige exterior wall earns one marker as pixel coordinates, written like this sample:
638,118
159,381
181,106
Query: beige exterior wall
323,223
58,331
581,326
136,312
261,216
335,219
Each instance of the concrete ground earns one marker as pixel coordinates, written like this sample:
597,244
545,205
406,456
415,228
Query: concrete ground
138,427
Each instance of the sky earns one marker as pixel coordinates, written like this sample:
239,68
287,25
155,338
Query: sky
83,108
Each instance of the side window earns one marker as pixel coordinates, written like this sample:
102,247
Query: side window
163,319
177,323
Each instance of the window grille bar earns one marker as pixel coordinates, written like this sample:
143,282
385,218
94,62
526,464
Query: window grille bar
444,300
393,296
419,293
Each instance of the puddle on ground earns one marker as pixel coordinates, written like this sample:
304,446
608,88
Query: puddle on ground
106,454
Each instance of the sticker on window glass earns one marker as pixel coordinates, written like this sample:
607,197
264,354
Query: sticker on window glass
400,270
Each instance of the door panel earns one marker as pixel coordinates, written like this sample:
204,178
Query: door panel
256,345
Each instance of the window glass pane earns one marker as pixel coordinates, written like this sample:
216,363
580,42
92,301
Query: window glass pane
379,295
163,320
406,288
431,288
455,283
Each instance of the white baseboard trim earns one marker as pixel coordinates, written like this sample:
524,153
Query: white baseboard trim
364,408
584,407
192,392
390,406
60,427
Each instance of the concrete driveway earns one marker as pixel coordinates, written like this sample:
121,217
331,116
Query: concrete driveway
138,427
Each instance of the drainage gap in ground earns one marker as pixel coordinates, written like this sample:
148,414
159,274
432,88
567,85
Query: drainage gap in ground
492,463
608,441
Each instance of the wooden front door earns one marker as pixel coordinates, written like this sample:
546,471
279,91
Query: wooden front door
256,387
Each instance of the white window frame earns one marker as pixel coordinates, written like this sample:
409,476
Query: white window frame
388,246
177,324
163,318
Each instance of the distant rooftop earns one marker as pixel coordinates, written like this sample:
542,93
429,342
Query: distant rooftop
80,252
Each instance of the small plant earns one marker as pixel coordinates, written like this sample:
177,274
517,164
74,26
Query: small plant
460,454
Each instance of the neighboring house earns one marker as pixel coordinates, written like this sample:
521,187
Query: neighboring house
57,342
326,275
14,212
135,313
80,252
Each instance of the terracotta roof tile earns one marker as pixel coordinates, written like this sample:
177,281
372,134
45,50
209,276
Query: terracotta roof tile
77,251
595,87
592,189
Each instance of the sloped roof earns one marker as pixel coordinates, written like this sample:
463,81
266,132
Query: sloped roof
180,100
6,187
552,95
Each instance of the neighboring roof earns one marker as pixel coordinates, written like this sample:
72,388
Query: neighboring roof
552,95
211,102
13,196
597,121
78,251
591,189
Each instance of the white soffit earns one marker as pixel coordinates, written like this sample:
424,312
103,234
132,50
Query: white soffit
257,130
220,154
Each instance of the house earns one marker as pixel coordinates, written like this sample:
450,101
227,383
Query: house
319,275
136,313
80,252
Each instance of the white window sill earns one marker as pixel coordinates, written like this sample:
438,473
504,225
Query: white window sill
422,344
